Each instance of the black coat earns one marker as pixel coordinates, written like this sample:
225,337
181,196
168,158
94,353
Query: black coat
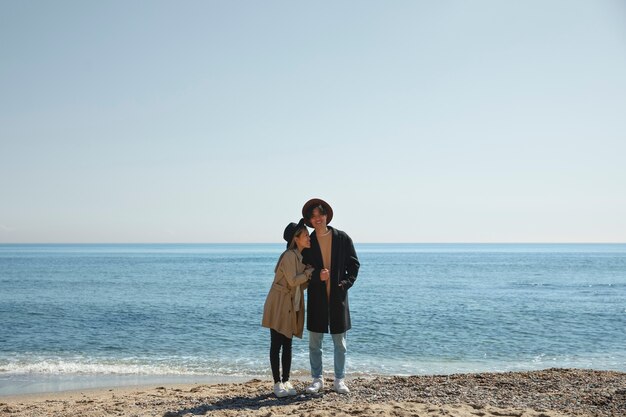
344,269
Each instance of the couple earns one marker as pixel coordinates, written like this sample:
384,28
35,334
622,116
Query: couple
326,264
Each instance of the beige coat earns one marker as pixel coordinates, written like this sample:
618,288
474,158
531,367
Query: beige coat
279,312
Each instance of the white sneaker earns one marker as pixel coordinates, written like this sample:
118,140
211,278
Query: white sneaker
316,386
289,388
340,386
279,390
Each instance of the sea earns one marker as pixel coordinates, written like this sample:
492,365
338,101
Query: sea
78,316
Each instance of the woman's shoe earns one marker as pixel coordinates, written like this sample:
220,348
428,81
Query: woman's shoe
289,388
279,390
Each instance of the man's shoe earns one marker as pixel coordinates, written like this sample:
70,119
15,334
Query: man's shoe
316,386
289,388
279,390
340,386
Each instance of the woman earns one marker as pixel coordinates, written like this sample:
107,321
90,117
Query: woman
283,312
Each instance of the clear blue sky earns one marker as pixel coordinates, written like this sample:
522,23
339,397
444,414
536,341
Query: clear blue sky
214,121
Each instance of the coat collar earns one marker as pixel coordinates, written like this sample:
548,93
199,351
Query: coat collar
298,254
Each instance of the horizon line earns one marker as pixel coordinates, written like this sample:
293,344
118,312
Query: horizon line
356,243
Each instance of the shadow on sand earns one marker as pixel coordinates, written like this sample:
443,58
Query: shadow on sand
241,403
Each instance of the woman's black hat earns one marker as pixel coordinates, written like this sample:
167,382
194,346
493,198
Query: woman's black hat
290,231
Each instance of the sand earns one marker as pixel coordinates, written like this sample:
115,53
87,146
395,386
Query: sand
547,393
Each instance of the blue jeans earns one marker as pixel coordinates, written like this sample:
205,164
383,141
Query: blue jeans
315,354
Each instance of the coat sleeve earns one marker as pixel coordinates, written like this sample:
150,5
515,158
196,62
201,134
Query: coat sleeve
290,272
352,265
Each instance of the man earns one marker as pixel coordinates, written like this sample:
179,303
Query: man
336,266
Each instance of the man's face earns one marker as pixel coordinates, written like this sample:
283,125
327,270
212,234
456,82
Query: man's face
318,220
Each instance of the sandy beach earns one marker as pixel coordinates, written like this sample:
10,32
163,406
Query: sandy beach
547,393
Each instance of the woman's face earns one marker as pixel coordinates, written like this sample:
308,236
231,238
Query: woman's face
303,241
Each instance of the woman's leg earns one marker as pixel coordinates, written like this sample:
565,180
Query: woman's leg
286,359
276,342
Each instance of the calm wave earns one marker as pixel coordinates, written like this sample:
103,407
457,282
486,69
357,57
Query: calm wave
181,310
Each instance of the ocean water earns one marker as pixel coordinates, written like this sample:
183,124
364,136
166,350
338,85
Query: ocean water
74,316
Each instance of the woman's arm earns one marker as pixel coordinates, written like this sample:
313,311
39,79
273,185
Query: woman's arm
289,267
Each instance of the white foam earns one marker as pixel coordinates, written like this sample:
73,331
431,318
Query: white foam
58,367
180,366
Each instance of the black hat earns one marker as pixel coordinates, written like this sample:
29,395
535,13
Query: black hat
314,202
290,231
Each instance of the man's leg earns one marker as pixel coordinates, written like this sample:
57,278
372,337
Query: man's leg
315,356
315,353
339,342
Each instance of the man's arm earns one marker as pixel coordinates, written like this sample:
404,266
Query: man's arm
352,265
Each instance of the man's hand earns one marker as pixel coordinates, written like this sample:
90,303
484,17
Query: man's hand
324,275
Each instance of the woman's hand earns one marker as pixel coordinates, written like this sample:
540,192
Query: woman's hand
309,271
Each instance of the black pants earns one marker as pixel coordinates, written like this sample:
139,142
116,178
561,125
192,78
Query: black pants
279,340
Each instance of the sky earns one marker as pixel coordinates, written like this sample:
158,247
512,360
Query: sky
215,121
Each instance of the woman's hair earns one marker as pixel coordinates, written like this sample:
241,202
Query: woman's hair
309,212
292,244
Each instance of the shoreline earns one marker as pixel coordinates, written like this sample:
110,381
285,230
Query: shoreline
18,385
552,392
